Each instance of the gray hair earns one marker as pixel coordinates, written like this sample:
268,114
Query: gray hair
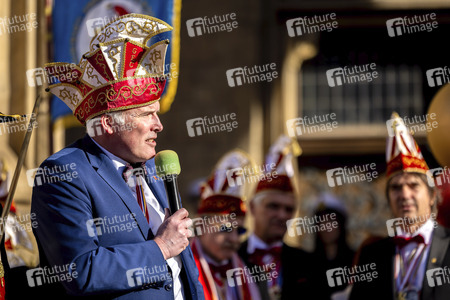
118,118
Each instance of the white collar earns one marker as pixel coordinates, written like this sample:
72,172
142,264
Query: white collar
426,230
255,242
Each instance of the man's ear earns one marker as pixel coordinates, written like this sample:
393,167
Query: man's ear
107,124
433,198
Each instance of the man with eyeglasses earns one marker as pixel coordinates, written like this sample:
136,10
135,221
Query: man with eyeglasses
217,231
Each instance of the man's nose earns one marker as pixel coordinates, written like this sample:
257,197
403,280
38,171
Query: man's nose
233,236
284,213
158,126
405,192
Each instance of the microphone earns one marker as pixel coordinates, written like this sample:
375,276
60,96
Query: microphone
168,168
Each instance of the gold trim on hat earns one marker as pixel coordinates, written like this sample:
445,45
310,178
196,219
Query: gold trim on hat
121,108
121,27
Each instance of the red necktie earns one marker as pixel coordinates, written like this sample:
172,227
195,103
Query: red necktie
139,171
403,241
261,256
221,270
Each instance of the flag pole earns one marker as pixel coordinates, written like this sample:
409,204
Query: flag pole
21,159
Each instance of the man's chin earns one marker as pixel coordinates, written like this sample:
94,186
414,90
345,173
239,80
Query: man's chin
149,155
408,215
225,255
277,236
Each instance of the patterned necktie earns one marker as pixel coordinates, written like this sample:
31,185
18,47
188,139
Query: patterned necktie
139,171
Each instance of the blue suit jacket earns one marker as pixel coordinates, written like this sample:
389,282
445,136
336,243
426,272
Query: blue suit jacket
92,236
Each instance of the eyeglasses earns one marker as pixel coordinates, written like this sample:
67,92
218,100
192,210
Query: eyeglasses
227,227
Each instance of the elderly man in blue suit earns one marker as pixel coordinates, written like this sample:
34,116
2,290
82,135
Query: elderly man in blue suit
103,227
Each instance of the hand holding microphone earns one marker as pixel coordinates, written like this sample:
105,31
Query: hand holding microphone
172,235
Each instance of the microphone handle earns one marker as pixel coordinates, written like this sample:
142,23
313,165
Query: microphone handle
173,196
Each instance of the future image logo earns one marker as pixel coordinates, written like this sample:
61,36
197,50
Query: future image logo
57,273
438,276
438,76
147,275
240,176
48,175
247,75
408,25
311,25
19,23
424,123
213,224
255,274
397,226
109,225
438,176
357,273
340,176
310,125
95,25
351,74
208,125
209,25
298,226
51,75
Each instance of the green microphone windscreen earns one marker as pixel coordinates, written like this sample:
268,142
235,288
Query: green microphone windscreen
167,163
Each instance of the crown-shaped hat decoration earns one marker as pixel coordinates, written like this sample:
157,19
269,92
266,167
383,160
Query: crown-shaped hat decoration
281,157
402,152
225,190
119,72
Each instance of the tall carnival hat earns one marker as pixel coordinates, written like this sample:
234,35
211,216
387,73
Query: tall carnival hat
280,159
119,72
402,152
225,190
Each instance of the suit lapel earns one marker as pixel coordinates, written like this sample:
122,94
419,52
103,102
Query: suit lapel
391,262
439,246
106,170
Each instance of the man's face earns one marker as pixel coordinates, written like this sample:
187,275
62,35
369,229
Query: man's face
221,245
138,144
409,197
271,212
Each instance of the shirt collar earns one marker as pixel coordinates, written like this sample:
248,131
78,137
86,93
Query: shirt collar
255,242
119,163
426,230
209,259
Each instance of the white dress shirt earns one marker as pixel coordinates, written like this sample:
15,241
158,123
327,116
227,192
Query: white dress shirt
255,242
426,230
156,217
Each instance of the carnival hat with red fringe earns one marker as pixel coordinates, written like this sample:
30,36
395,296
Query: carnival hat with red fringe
402,152
119,72
281,155
223,192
